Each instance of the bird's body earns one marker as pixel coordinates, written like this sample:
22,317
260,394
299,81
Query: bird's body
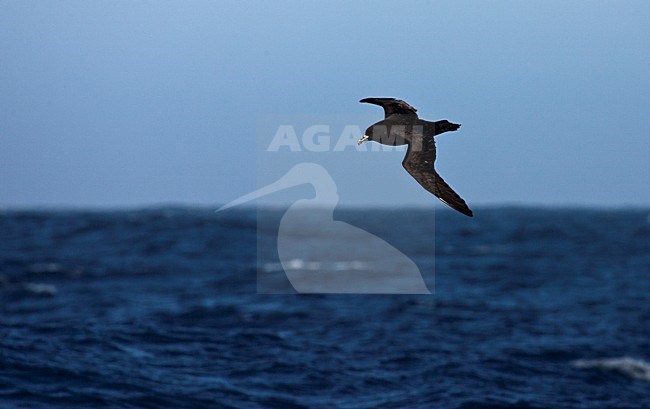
402,126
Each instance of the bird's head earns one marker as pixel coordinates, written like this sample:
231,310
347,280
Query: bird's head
385,134
367,135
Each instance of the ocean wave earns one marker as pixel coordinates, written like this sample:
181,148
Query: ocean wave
54,269
40,289
631,367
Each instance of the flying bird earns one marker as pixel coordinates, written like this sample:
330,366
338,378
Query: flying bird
401,126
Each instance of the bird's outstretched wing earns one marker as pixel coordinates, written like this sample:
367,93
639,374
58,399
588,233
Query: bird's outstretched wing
418,162
392,106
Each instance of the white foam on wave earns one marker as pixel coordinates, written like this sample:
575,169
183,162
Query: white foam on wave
631,367
298,265
40,289
41,268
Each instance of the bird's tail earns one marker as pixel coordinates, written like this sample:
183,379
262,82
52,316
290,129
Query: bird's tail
445,126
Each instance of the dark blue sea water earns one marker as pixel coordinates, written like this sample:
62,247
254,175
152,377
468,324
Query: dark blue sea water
533,308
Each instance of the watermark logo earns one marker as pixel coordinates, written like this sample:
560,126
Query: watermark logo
321,138
319,254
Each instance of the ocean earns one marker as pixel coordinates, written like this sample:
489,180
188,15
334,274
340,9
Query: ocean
159,308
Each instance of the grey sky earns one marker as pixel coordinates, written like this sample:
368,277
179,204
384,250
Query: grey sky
136,103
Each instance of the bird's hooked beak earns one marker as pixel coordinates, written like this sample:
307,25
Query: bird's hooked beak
363,139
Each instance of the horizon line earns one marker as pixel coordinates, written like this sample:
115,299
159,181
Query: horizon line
217,205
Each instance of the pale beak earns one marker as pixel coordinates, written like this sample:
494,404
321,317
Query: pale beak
362,140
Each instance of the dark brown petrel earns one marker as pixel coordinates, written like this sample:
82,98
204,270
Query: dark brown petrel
402,126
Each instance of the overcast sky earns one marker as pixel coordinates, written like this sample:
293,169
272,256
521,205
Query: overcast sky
141,103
